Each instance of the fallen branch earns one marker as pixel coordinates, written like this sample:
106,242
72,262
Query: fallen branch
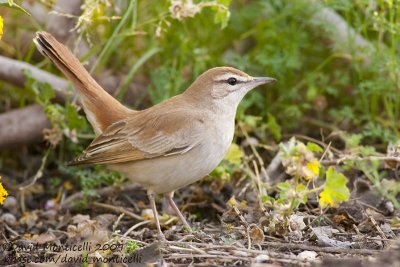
11,71
118,210
191,250
319,249
340,30
276,245
25,125
22,126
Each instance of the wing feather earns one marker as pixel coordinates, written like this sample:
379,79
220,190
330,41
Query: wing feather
145,135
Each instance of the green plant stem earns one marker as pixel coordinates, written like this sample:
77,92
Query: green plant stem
111,40
122,90
315,190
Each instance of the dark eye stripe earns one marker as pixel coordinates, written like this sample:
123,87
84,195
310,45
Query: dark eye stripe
224,81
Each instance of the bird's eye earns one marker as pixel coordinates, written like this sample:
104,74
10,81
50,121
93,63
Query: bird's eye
232,81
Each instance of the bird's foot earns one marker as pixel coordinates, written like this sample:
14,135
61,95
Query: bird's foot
161,238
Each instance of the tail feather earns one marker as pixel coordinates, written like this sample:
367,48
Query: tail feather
101,108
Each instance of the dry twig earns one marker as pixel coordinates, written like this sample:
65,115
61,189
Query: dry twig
117,210
103,192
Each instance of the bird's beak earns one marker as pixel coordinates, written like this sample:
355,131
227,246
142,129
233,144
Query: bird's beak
262,80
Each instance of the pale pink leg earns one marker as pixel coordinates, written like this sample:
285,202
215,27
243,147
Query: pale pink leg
154,208
171,202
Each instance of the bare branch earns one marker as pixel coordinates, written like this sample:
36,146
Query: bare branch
22,126
341,32
12,71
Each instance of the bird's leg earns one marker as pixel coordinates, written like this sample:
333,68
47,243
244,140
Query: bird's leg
150,194
171,202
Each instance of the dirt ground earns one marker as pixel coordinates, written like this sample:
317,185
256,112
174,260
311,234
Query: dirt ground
117,222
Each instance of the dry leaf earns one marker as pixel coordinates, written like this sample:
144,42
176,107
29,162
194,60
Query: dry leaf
256,234
44,238
80,218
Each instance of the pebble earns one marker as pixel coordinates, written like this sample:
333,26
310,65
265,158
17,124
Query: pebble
8,218
10,203
307,255
263,258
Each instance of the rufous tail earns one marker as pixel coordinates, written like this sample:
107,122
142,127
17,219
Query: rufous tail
101,108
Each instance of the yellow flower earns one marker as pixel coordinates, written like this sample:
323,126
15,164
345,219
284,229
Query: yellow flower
1,27
232,202
313,169
3,194
326,199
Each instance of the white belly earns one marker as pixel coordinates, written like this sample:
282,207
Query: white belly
169,173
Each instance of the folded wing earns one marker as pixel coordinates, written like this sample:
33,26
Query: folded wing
145,135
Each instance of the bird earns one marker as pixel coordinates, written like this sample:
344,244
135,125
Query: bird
166,146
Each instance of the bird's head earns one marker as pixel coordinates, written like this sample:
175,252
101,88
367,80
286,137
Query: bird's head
225,85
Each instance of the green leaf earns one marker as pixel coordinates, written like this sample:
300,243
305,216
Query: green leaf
234,154
366,151
312,92
55,113
288,147
267,199
224,2
314,147
301,191
222,172
335,189
73,119
11,4
274,127
45,93
251,120
284,190
132,246
41,91
223,14
222,17
353,140
295,196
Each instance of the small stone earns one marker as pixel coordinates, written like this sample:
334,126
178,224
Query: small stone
295,236
147,214
296,222
307,255
50,214
263,258
50,204
10,203
389,206
8,218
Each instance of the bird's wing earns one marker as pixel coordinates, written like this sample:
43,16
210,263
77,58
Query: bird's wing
145,135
